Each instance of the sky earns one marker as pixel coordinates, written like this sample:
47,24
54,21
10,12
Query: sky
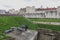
16,4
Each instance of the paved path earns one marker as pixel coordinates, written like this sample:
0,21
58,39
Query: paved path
52,23
28,35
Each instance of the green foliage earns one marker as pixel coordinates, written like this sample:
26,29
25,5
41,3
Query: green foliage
6,22
9,21
3,36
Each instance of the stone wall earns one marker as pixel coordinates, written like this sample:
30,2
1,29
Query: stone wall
47,34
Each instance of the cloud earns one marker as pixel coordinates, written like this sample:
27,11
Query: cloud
7,6
23,3
27,0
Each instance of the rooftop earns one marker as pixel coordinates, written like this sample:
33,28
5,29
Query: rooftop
44,9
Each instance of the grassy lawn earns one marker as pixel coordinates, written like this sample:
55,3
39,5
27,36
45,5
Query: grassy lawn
53,27
9,21
45,19
6,22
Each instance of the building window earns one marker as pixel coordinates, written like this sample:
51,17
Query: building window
55,11
46,13
51,14
55,14
51,11
59,14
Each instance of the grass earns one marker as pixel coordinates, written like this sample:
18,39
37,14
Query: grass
6,22
53,27
45,19
9,21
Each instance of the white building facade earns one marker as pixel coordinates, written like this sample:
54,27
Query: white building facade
13,11
2,11
32,12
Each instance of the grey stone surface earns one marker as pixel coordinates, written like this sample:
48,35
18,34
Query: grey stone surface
27,35
51,23
47,34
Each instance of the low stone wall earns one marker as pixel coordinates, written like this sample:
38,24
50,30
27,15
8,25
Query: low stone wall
47,34
52,23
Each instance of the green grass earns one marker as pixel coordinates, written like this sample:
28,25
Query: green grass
9,21
6,22
45,19
53,27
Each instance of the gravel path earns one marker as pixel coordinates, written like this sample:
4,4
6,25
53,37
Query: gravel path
28,35
52,23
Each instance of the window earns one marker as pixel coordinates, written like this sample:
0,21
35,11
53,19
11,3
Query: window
55,14
51,11
59,14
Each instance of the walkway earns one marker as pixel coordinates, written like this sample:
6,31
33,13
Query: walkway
28,35
51,23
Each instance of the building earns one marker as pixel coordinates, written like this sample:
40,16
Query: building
2,11
13,11
32,12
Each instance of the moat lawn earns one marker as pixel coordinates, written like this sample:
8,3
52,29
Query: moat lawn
6,22
45,19
53,27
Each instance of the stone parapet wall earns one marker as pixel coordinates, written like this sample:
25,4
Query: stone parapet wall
47,34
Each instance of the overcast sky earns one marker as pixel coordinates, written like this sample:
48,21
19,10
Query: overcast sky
7,4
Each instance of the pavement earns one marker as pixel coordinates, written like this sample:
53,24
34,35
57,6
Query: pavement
27,35
51,23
